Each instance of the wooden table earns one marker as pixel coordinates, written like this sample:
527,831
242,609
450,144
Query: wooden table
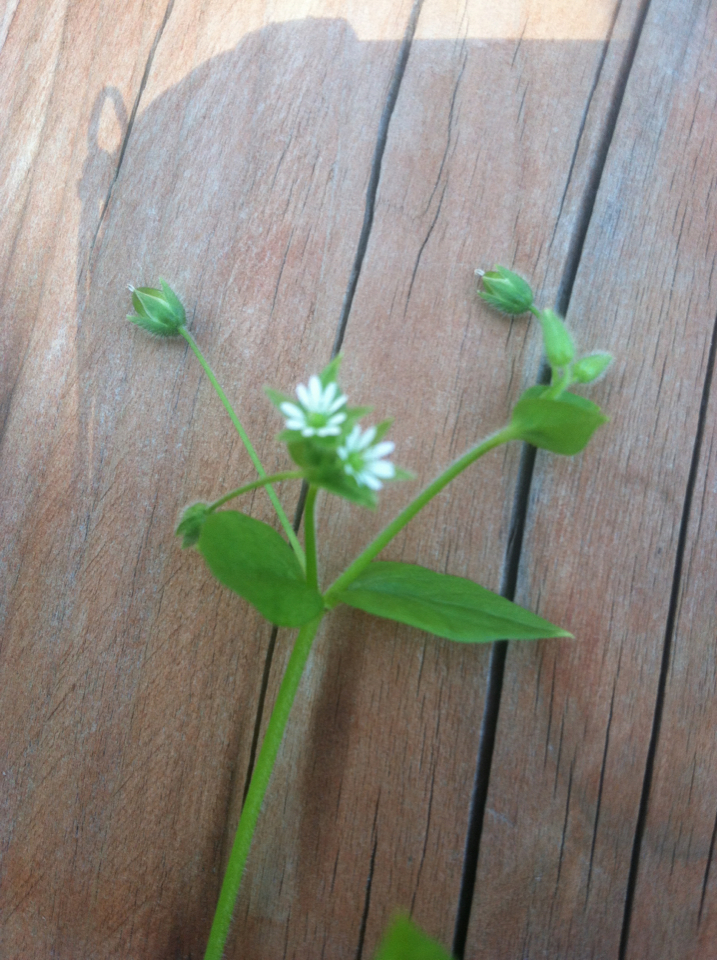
322,173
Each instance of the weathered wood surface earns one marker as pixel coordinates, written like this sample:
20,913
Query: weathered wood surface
259,156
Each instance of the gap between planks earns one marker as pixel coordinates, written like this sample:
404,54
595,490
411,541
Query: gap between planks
496,670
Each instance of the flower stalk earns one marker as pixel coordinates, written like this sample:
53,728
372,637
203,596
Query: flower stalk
283,519
331,597
257,789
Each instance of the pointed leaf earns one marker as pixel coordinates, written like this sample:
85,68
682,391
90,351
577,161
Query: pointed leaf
562,425
330,372
250,558
404,941
447,606
277,398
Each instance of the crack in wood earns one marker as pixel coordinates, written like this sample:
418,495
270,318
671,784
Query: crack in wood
375,175
665,664
130,124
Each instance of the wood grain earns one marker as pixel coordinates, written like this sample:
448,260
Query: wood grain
603,536
674,912
375,784
130,679
237,150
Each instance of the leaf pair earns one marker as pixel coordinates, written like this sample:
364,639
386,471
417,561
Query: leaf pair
253,560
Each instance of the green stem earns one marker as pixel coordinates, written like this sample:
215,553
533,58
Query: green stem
331,597
312,577
254,485
288,529
559,385
257,789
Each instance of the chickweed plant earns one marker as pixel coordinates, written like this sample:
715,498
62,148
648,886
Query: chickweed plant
331,452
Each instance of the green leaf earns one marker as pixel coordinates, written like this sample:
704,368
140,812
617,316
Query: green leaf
277,398
330,372
250,558
563,424
447,606
404,941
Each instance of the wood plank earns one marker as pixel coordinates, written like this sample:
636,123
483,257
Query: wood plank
369,809
600,549
675,910
130,679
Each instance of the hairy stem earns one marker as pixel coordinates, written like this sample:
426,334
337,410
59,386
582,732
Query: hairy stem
331,597
254,485
257,789
288,529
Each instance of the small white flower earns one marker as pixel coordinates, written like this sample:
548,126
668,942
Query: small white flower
362,458
318,413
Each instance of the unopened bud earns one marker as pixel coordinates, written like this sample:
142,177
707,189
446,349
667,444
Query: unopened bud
505,291
190,526
589,368
157,311
559,346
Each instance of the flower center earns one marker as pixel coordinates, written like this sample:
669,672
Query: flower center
355,461
316,420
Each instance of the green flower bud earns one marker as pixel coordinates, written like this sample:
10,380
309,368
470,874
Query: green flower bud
559,346
190,526
589,368
505,291
157,311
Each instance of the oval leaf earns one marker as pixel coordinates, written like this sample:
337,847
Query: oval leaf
561,425
447,606
253,560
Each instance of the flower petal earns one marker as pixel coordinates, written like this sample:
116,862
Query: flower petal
291,410
384,469
353,439
380,450
315,391
366,439
368,480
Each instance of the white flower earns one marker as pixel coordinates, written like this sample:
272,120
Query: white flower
317,413
362,458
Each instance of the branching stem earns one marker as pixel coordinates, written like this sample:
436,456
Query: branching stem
254,485
288,529
332,595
